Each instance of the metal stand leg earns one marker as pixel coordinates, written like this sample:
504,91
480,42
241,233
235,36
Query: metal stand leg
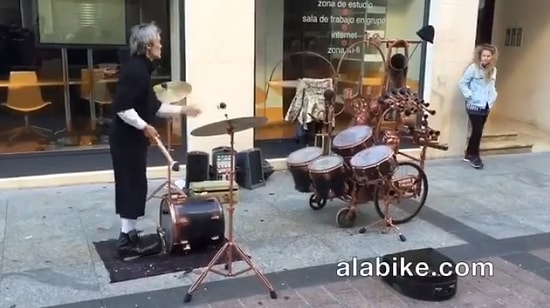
386,222
230,247
168,184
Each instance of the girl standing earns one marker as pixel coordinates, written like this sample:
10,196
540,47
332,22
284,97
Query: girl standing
477,85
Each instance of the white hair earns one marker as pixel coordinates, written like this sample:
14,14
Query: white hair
142,35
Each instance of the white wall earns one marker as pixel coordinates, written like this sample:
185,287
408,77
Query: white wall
446,60
523,77
219,51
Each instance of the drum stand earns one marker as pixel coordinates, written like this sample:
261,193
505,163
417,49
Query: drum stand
386,222
168,184
230,246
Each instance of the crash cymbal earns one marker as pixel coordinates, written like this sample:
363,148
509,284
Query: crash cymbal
172,91
221,127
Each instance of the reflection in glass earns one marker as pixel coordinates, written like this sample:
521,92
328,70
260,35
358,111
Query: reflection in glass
45,108
285,27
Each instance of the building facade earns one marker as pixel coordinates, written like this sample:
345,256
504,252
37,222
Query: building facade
227,50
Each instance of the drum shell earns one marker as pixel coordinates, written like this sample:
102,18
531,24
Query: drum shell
330,183
193,222
376,172
300,175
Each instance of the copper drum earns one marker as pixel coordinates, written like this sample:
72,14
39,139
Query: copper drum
328,176
191,223
374,164
352,140
391,139
297,163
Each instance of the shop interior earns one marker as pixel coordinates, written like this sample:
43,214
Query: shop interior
289,32
58,99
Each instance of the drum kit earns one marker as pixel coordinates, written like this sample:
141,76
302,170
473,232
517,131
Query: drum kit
359,164
191,221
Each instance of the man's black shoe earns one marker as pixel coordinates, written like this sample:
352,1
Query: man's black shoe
131,246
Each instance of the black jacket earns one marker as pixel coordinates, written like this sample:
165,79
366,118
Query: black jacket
134,90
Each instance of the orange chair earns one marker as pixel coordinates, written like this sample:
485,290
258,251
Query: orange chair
24,96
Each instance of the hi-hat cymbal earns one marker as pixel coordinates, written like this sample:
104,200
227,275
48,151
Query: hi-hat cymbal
222,127
172,91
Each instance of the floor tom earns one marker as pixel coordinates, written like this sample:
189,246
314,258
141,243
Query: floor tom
375,163
191,222
298,162
328,176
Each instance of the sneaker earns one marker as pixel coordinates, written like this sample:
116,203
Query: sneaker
131,246
469,158
477,163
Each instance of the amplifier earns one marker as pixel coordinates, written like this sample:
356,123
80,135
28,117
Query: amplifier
197,167
250,171
428,286
221,162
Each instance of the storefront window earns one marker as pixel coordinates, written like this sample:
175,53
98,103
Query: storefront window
287,31
43,111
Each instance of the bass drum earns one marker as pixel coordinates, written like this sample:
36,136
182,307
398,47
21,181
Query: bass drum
191,223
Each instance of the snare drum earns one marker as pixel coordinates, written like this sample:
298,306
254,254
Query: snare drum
375,163
297,163
352,140
328,176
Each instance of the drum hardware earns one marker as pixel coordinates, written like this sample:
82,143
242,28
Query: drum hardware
169,93
390,197
367,178
230,127
172,166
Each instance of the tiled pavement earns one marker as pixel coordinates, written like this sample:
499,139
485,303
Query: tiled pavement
497,214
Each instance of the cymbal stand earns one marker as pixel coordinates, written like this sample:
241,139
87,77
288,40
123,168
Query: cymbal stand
392,193
168,183
230,246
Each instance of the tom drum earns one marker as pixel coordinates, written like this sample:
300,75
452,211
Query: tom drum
375,163
352,140
298,162
191,222
328,176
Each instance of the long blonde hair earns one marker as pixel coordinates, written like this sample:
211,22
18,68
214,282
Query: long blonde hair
491,66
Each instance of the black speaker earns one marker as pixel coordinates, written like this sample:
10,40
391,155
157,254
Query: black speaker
429,281
197,167
250,171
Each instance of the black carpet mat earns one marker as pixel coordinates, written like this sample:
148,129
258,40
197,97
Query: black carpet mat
120,270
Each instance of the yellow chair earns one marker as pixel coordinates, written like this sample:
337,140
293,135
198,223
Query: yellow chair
24,96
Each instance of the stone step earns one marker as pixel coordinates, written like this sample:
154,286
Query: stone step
505,147
505,136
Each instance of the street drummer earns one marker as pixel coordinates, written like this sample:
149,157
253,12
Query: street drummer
136,105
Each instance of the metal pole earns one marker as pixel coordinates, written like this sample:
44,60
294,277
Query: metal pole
66,90
91,74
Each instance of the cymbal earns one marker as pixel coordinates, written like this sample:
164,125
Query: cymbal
172,91
221,127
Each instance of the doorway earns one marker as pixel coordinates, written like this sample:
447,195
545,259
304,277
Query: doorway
485,19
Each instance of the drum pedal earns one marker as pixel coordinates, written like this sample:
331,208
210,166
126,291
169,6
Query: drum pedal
162,236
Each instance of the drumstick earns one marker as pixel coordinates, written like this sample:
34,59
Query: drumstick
174,165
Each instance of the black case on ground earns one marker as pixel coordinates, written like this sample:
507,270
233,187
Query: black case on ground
431,287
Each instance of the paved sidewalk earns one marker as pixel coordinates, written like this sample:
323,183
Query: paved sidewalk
47,256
